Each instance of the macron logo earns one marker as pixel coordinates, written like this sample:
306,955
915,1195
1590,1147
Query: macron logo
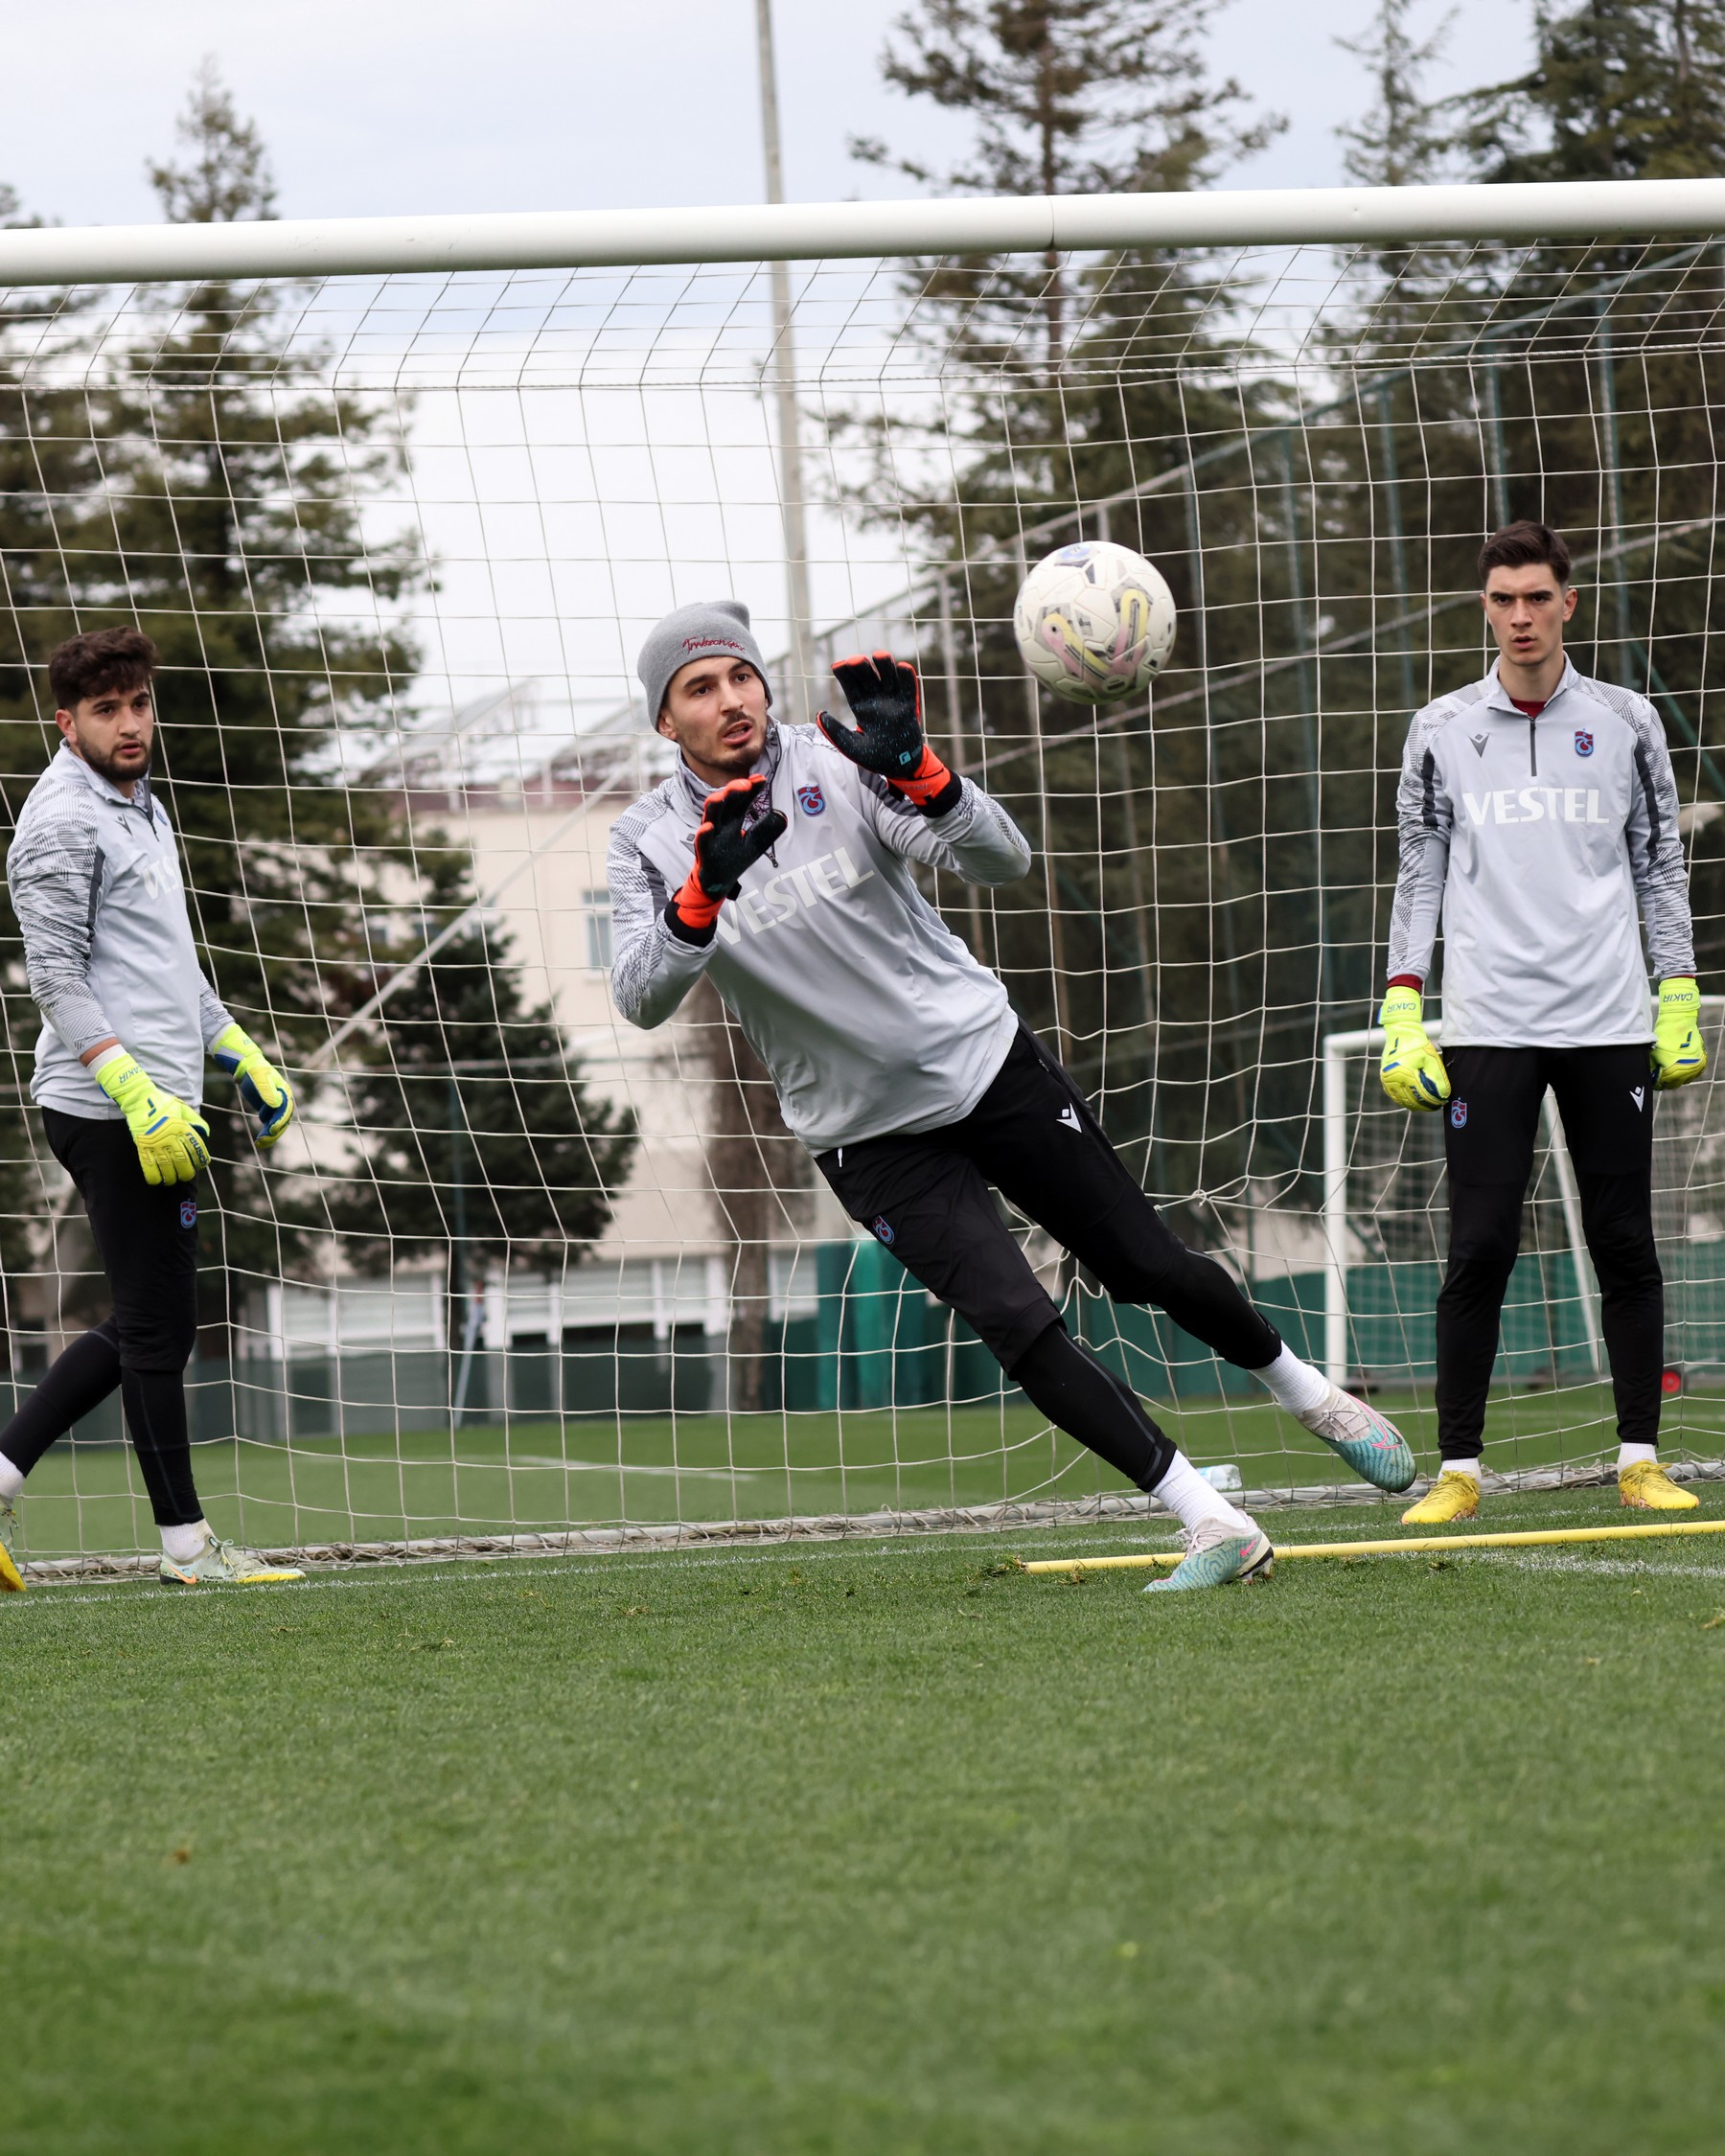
1534,804
791,891
1069,1118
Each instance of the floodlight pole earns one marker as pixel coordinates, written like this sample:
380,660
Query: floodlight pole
783,368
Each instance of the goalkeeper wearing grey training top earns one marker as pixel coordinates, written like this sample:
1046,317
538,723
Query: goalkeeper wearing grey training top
1538,824
777,860
95,880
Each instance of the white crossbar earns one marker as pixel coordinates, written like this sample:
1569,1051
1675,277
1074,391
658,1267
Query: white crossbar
815,231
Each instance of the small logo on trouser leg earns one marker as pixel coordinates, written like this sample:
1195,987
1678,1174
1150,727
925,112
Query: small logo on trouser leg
187,1212
1637,1094
1068,1115
884,1231
1458,1114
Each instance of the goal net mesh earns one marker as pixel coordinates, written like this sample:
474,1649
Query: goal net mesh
519,1269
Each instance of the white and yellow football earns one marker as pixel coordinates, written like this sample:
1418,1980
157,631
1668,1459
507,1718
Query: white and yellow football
1095,621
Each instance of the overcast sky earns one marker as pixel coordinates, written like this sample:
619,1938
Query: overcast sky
379,106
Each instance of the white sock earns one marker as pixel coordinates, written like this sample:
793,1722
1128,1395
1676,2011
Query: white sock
1294,1384
1193,1500
1629,1455
183,1544
11,1480
1469,1467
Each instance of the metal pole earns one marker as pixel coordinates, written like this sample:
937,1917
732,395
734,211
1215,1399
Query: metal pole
1219,881
1057,965
1568,1196
1606,370
948,660
1308,698
458,1268
792,498
1497,475
1398,557
1335,1205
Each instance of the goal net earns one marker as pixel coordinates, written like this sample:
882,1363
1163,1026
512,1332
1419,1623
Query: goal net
520,1271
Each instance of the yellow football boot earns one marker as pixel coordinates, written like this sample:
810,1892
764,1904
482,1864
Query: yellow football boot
11,1580
1452,1496
1645,1485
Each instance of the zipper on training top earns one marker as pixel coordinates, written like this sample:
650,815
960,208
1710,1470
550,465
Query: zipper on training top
1533,749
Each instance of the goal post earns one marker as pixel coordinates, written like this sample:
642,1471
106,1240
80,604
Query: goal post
399,499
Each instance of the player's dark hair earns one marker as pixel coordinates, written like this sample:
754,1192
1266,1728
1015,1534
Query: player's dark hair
98,663
1523,545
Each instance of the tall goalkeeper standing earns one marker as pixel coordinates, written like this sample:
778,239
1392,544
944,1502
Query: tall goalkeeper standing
1538,816
779,859
96,884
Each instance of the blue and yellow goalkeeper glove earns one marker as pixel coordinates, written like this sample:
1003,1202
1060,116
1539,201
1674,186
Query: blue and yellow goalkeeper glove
172,1139
262,1090
1678,1055
1411,1072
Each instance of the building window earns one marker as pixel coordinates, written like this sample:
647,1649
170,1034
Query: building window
599,930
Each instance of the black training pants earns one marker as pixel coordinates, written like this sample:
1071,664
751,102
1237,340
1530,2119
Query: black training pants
1605,1098
147,1240
926,1196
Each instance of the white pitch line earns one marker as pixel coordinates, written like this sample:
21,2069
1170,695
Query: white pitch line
1532,1561
630,1467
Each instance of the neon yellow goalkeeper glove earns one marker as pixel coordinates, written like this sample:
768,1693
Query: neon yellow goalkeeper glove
1411,1072
172,1139
1678,1055
262,1090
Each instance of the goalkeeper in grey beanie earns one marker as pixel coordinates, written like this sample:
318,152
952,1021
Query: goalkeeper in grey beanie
777,862
709,627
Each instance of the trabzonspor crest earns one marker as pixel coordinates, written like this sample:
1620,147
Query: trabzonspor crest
1458,1114
1584,743
810,800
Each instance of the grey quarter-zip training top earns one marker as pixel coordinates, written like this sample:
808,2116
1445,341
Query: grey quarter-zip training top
1535,842
95,880
870,1014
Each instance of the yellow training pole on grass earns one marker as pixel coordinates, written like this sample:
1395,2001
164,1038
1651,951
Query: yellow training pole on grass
1407,1546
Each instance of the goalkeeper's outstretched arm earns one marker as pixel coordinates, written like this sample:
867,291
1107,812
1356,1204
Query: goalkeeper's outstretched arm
975,840
652,970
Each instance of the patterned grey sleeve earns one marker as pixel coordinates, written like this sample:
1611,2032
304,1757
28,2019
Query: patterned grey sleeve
54,872
975,839
652,970
1423,821
1655,850
213,1015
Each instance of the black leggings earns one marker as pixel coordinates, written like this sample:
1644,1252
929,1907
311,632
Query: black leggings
147,1240
926,1196
1605,1098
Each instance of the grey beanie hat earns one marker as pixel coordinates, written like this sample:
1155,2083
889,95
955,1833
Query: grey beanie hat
690,633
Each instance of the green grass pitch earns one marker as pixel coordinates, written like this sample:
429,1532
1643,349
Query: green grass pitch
875,1848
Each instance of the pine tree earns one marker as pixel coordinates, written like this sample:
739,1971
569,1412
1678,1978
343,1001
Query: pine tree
230,530
204,481
1067,383
48,468
1618,89
474,1128
1399,140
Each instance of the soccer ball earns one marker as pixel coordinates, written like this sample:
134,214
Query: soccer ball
1095,621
